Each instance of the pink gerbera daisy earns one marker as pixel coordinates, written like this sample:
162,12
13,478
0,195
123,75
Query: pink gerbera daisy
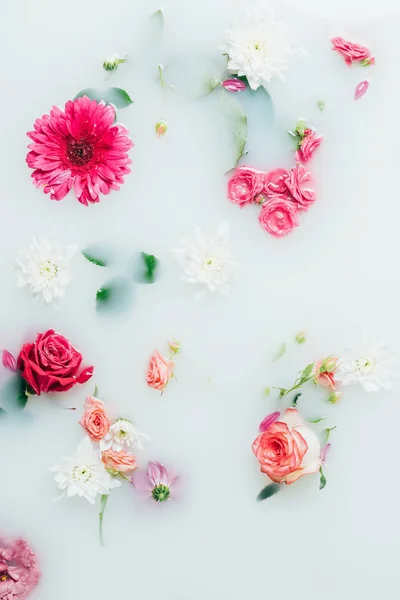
156,483
19,573
80,147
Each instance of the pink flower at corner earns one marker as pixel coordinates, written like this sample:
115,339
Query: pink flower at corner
79,147
157,483
298,185
19,573
95,419
274,182
118,462
352,52
159,371
234,85
244,185
308,145
324,372
288,449
278,216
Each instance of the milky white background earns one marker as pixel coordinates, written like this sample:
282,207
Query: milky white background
335,276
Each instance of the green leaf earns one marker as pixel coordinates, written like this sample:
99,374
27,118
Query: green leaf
301,126
96,391
156,23
99,254
317,420
14,393
280,351
150,265
322,479
327,433
113,95
115,294
237,120
267,392
295,399
270,490
307,372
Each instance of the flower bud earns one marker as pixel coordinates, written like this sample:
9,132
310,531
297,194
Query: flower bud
174,346
111,64
301,337
335,397
161,128
234,85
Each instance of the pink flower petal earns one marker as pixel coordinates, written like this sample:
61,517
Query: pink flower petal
9,361
234,85
361,89
268,421
324,452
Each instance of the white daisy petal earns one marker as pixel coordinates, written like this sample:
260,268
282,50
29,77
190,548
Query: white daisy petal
370,366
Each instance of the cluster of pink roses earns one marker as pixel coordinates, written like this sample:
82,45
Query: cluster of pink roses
160,370
281,193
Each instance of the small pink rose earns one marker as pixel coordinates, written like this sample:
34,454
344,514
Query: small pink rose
234,85
352,52
310,142
159,371
361,89
298,185
244,185
118,462
95,419
278,216
9,361
274,182
324,371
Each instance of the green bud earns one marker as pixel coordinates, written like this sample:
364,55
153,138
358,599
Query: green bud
301,337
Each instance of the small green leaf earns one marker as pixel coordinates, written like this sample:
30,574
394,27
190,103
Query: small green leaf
317,420
280,351
307,371
99,254
322,479
156,22
270,490
115,294
150,263
113,95
267,392
321,105
327,433
301,126
96,391
295,399
14,393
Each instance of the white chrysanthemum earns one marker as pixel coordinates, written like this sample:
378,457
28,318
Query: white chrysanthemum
258,47
207,260
370,366
84,474
44,268
123,434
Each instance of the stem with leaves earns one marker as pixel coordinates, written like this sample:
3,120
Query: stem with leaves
306,375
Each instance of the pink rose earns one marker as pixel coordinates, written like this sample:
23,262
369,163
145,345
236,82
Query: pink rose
352,52
288,449
95,419
274,182
118,462
244,185
324,371
278,216
298,185
308,145
159,371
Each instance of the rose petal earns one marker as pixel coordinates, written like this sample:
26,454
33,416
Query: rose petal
361,89
268,421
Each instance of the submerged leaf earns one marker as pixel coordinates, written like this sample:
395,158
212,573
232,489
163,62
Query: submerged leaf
145,268
113,95
237,120
307,371
14,393
280,351
267,392
115,294
99,254
270,490
321,105
156,23
322,479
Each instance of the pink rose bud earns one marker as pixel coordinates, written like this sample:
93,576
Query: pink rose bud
234,85
361,89
174,346
9,361
161,128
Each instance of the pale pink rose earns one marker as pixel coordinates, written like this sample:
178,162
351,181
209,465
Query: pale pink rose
95,419
274,182
308,145
352,52
288,449
278,216
244,185
298,185
159,371
234,85
324,371
120,462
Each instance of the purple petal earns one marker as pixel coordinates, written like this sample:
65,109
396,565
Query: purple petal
324,452
142,483
9,361
268,421
234,85
361,89
153,472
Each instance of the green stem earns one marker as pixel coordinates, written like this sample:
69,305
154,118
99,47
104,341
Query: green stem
160,73
296,386
103,501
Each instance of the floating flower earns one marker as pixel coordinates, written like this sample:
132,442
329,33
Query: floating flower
274,182
19,573
258,48
95,419
278,216
84,474
207,260
288,449
309,142
244,185
370,366
118,462
157,483
324,371
51,364
234,85
353,52
174,346
161,128
361,89
44,268
301,337
112,63
81,147
159,371
9,361
122,434
298,185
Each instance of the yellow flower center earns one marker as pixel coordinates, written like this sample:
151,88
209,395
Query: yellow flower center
48,270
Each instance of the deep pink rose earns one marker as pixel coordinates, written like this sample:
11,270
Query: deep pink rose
278,216
298,185
274,182
310,142
51,364
244,185
19,573
352,52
